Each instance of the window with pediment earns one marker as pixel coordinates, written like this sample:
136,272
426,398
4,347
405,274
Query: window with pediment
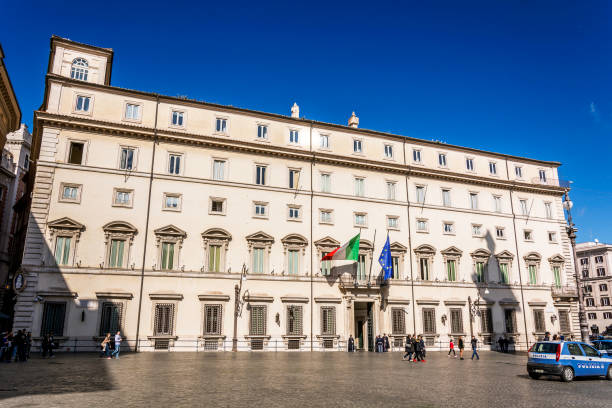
169,242
324,246
504,264
216,243
64,234
118,240
451,256
556,266
260,246
362,266
398,251
294,249
532,261
424,258
480,258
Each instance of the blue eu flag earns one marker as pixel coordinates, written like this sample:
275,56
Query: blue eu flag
386,261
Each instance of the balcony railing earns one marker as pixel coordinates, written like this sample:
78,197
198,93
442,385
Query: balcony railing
564,291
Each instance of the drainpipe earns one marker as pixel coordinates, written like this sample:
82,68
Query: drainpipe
409,242
312,162
146,232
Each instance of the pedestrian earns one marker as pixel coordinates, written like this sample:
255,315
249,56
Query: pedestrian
351,344
555,337
422,349
408,348
47,345
379,344
474,342
117,345
20,343
451,348
500,343
28,344
547,336
3,346
105,346
461,347
386,345
415,348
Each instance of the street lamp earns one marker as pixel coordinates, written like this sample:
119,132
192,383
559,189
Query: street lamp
571,233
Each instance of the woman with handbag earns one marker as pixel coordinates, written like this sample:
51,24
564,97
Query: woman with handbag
106,346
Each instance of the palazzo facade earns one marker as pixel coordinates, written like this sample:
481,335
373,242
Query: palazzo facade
147,208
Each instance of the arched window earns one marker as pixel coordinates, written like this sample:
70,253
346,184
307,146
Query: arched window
79,69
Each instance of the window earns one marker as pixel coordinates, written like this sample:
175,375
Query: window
294,179
469,164
54,314
132,111
601,272
258,260
82,103
486,320
260,175
324,141
500,233
451,270
584,261
474,201
294,320
110,322
325,183
294,136
603,287
177,118
62,250
393,222
388,151
174,163
416,156
217,206
590,301
115,256
510,320
592,316
172,202
533,274
548,209
605,301
552,237
542,174
293,262
429,321
359,186
325,216
360,219
557,275
328,320
214,258
422,225
523,204
456,318
79,69
424,268
607,315
357,148
446,198
258,320
395,263
219,170
26,162
391,190
398,321
588,289
538,319
70,193
126,160
528,235
518,171
564,322
420,194
599,259
497,204
325,266
449,228
261,210
361,267
480,272
164,319
221,126
442,159
476,230
493,168
503,269
262,132
167,256
122,198
213,319
294,213
75,152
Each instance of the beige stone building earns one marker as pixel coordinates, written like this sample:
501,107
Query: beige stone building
146,207
10,114
594,262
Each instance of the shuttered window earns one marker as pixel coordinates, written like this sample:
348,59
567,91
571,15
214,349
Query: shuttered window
429,321
258,320
328,320
510,320
116,253
564,322
480,272
293,262
538,320
212,319
164,319
456,321
294,320
486,320
214,258
398,320
54,314
450,270
62,250
167,260
112,313
503,268
258,260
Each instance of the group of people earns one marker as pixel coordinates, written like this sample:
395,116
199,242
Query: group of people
381,343
15,347
110,347
503,344
461,345
415,345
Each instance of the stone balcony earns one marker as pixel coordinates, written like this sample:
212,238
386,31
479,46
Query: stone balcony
564,292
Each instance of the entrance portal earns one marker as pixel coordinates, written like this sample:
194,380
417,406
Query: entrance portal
364,326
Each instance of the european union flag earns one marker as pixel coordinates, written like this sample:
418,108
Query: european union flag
386,261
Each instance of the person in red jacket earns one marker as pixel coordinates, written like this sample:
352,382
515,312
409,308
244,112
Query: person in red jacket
451,348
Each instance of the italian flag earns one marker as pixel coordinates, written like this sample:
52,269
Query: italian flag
347,252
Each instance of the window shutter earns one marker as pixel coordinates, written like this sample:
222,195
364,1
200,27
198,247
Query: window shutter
429,321
564,323
399,321
456,321
212,316
258,320
164,319
328,320
486,320
294,320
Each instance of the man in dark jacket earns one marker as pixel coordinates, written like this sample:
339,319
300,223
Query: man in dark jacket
386,346
474,343
351,344
461,347
408,348
417,349
422,349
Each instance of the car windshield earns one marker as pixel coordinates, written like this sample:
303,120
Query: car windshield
604,345
545,348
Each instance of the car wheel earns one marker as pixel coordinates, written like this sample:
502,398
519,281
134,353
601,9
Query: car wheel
535,376
567,374
609,374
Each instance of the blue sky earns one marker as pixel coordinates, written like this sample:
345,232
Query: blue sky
529,78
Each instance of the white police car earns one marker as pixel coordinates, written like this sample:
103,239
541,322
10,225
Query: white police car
567,359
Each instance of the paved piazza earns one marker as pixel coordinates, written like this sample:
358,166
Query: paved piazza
288,380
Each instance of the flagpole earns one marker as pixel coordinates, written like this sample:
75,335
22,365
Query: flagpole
372,261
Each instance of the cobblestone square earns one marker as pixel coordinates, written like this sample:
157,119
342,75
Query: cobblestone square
287,380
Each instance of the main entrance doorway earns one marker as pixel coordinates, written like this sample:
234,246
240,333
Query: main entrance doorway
364,326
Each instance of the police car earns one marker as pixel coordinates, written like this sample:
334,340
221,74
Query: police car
604,346
567,359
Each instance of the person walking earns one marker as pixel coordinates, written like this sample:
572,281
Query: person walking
422,349
408,348
106,346
547,336
379,343
386,345
474,342
3,346
117,345
451,348
415,348
28,344
461,347
351,344
20,342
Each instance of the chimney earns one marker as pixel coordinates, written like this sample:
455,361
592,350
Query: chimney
295,111
353,121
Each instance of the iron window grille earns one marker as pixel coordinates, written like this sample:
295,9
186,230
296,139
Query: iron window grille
294,321
258,321
112,314
328,320
54,314
398,320
164,319
212,319
429,321
456,321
